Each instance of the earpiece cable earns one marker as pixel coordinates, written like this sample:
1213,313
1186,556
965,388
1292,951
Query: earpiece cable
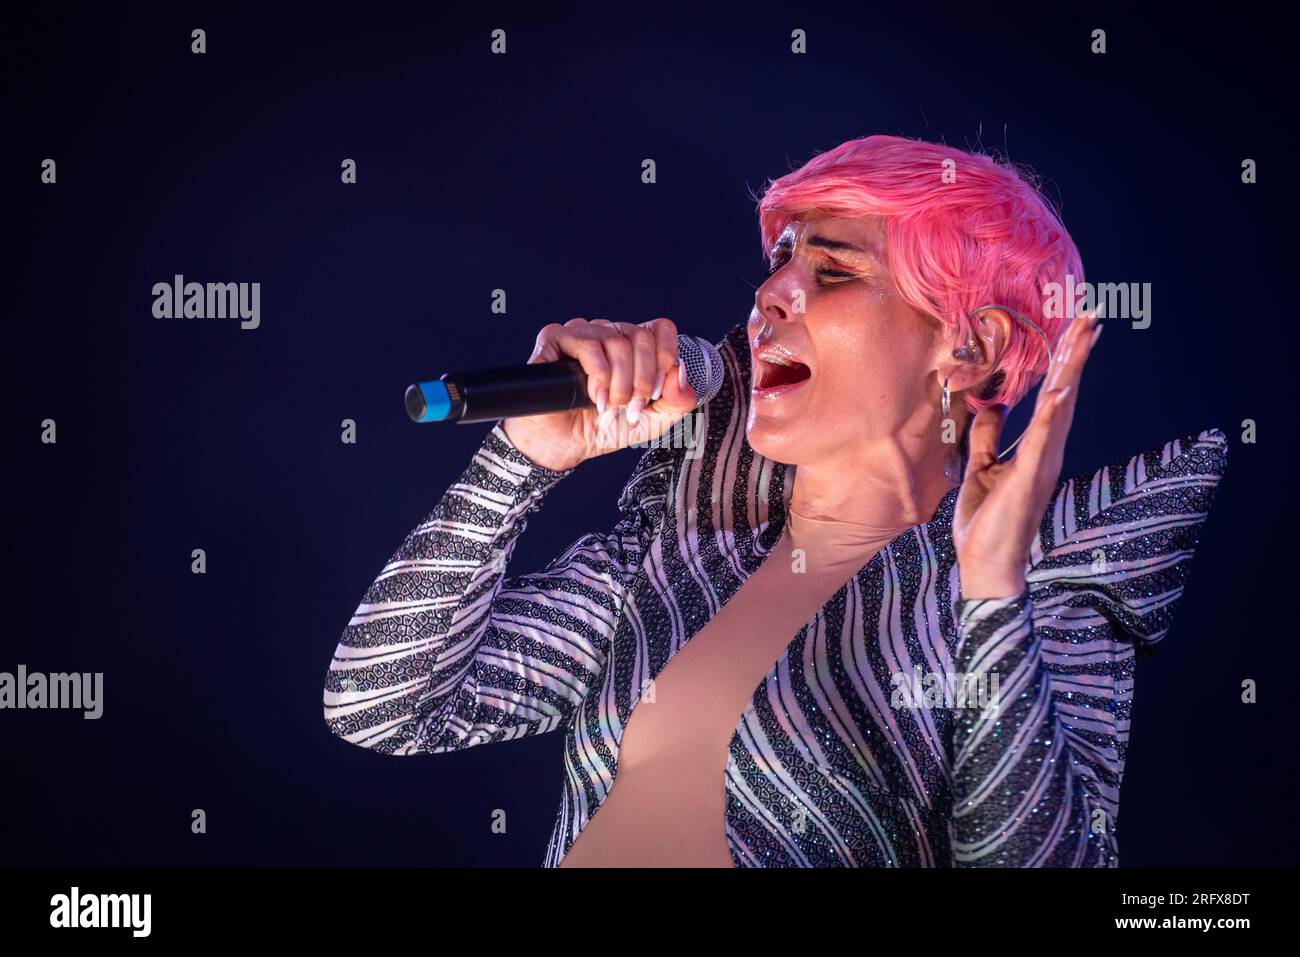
1046,345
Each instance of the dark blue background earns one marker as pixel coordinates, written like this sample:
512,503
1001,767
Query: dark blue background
522,172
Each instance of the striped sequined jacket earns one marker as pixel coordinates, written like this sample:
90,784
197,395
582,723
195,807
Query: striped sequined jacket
837,760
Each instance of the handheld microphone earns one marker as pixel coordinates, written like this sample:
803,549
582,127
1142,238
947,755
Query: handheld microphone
485,395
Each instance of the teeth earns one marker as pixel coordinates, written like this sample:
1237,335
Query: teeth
778,360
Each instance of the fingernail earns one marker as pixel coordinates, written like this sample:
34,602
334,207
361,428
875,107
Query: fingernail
634,410
659,386
681,375
606,417
1096,334
602,397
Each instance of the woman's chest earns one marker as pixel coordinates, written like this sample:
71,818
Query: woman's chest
690,705
787,703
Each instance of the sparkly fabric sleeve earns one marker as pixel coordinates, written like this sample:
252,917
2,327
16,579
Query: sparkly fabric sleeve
1037,773
445,653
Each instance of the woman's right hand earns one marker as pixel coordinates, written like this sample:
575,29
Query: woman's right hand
632,377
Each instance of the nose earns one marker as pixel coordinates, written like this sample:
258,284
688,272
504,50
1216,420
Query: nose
772,306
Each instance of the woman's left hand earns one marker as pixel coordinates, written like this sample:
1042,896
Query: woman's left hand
1001,504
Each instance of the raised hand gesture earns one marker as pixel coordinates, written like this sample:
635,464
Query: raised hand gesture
1001,504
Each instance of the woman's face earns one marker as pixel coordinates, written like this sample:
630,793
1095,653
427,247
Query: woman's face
868,358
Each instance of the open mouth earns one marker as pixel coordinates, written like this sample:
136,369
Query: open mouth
775,373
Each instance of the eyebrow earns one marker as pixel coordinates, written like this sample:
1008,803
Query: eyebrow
785,242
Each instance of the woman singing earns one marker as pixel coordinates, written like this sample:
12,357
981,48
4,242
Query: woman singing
841,630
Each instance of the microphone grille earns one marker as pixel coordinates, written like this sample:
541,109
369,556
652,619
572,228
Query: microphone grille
703,365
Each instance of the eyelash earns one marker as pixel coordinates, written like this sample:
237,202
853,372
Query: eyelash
782,259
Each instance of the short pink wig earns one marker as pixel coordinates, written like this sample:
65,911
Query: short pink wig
981,234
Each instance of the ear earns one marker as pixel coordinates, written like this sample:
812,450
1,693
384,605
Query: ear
968,364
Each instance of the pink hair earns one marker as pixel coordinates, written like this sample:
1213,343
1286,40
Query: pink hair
987,236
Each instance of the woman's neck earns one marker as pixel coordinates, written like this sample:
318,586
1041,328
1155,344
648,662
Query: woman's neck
887,485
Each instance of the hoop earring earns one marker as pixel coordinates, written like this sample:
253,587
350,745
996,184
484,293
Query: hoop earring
945,403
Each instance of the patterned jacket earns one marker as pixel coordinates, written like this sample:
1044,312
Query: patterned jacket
854,750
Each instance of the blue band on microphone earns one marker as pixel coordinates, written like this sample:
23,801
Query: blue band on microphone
437,402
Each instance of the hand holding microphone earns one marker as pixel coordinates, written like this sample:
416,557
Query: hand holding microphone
632,370
588,389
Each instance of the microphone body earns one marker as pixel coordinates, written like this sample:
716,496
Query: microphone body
486,395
